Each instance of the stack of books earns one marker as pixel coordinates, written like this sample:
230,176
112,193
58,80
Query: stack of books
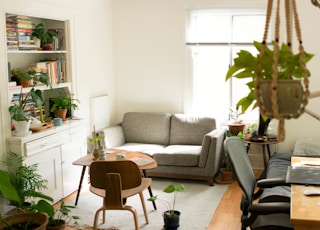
23,27
12,39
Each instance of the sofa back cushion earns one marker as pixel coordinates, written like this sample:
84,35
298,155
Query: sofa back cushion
189,130
149,128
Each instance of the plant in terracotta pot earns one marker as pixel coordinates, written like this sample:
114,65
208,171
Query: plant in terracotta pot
226,174
171,217
260,68
18,109
62,103
61,217
236,126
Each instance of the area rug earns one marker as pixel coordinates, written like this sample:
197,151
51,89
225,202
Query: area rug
197,205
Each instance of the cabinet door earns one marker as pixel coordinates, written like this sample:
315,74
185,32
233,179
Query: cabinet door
49,167
70,152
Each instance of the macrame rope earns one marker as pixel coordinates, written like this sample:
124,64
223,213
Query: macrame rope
290,7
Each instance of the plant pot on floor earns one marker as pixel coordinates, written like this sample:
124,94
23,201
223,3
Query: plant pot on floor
35,221
171,222
225,176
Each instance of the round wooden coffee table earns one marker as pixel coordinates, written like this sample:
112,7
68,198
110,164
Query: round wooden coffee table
111,155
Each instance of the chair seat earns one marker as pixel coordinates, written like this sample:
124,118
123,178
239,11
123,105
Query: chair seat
145,183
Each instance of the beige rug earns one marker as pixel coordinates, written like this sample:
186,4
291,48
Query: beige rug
197,205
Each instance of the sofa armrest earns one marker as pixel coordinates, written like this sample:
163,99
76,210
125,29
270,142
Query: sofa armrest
212,148
113,136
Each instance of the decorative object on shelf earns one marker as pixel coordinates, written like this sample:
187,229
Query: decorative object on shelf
171,217
275,66
94,141
45,35
62,103
18,110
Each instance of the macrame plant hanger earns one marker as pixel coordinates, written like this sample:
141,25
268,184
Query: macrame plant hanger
290,8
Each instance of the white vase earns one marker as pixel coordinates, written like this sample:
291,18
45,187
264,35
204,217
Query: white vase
37,42
22,127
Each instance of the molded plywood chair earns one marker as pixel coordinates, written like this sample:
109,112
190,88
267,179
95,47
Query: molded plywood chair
115,181
271,214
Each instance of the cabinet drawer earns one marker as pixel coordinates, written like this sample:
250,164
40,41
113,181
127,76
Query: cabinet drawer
42,144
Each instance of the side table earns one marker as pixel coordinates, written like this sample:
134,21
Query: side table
264,145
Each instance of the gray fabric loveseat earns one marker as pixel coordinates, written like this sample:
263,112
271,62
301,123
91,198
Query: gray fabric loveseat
184,146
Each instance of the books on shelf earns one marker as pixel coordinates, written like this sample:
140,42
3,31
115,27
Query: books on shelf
55,69
19,33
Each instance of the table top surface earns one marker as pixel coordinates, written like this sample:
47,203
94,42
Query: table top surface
262,142
111,155
304,209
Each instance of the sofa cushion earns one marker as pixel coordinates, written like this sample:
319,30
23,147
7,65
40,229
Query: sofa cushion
179,155
149,128
189,130
307,148
148,149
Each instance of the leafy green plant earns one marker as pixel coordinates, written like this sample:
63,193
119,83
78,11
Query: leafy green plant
246,66
64,101
20,184
17,110
94,141
61,215
170,189
27,182
44,34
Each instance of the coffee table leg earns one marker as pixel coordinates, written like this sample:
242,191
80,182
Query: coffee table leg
80,183
150,191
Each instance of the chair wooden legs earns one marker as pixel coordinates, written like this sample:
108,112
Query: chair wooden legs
126,207
144,207
96,216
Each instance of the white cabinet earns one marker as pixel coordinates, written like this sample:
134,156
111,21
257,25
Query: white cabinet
54,150
49,167
70,152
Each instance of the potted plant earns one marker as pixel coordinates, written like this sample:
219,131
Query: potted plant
236,126
62,103
18,109
260,68
59,218
226,174
45,35
171,217
94,141
19,185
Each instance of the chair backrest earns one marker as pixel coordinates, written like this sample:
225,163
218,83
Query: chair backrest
128,170
241,165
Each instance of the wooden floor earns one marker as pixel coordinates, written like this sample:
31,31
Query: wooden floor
227,214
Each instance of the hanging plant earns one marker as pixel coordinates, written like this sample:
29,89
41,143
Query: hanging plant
270,69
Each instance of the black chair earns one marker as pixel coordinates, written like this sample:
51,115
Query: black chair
260,214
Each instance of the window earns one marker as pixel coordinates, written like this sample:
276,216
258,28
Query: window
213,40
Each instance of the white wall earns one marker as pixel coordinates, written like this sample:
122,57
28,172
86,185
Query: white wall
150,62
